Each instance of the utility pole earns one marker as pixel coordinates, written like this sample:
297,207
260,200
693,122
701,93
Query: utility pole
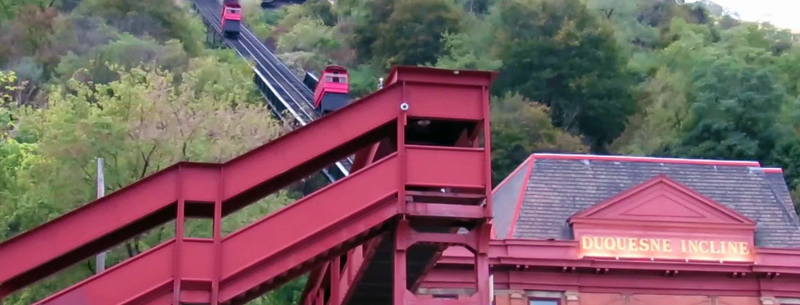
100,260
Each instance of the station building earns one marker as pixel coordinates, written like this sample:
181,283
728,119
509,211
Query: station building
614,230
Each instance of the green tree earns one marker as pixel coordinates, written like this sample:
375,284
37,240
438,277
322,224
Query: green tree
733,113
368,16
140,123
9,9
128,52
472,48
556,53
163,20
664,110
521,127
307,35
413,33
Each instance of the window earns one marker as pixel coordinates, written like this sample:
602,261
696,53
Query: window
544,302
340,79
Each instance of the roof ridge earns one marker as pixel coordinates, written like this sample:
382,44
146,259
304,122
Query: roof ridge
624,158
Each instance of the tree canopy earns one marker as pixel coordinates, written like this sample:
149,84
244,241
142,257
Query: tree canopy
132,82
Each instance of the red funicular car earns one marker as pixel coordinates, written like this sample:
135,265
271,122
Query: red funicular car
333,90
231,18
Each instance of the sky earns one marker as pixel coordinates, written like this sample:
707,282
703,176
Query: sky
781,13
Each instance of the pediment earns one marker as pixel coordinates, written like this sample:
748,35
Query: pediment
662,200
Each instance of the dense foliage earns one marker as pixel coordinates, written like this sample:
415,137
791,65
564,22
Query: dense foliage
132,82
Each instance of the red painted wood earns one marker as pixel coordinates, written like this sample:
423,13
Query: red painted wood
627,283
624,276
663,209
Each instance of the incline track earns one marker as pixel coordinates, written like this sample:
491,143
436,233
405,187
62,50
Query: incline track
280,87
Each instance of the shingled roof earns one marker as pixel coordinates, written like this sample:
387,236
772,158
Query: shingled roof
535,201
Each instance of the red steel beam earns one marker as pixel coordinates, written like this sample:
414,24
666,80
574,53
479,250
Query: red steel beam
468,138
259,252
250,259
87,230
253,175
363,158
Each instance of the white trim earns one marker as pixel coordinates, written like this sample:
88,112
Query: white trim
642,158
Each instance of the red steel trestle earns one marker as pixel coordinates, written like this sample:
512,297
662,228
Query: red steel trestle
477,241
418,187
450,209
430,213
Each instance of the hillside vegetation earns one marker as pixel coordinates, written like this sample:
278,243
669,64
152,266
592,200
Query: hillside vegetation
133,82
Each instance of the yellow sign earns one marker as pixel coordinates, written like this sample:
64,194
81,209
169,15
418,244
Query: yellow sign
665,248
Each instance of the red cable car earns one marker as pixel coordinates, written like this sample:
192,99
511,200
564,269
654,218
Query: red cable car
231,18
333,90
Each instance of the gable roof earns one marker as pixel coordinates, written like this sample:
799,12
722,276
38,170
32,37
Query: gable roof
663,201
538,198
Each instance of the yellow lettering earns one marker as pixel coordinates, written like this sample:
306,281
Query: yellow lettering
620,243
608,243
732,247
743,248
633,244
664,246
586,242
656,244
692,246
644,245
703,246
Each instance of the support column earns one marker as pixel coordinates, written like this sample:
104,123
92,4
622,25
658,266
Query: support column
399,275
180,220
334,279
482,263
477,240
217,239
